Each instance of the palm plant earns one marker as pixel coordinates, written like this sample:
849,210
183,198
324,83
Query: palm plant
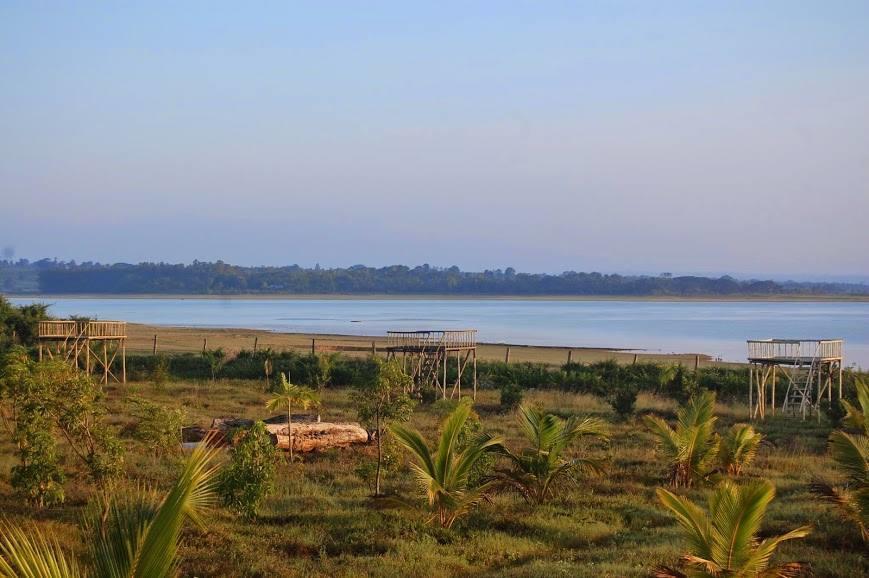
723,541
444,473
850,452
692,446
287,395
538,468
738,449
137,536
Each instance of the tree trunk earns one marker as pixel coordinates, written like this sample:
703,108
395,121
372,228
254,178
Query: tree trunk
379,457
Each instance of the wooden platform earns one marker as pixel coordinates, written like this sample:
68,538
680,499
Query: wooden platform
88,345
426,354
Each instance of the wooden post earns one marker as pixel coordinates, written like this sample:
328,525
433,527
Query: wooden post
154,350
40,350
313,347
475,374
123,361
569,356
635,358
750,392
255,343
696,363
374,348
204,345
105,362
446,357
773,388
507,355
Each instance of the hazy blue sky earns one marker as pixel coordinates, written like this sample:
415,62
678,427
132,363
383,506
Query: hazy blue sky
647,136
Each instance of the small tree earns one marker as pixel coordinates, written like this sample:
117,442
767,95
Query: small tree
159,428
738,448
38,474
538,468
320,373
382,401
288,395
692,446
444,474
249,477
77,406
216,359
724,542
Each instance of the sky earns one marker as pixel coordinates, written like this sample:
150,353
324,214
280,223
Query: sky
633,137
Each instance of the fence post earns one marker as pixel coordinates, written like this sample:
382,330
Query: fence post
569,356
255,342
313,347
696,363
635,358
204,345
154,350
507,355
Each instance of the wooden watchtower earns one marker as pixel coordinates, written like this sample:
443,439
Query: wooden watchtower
93,346
810,368
426,354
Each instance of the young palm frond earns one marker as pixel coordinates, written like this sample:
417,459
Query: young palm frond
30,554
287,395
536,469
443,474
857,417
723,541
692,446
139,539
850,452
738,448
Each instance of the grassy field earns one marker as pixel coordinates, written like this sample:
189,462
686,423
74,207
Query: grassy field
321,522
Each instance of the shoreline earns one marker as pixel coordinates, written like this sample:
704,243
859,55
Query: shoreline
186,339
446,297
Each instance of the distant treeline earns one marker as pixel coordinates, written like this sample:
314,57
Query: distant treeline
50,276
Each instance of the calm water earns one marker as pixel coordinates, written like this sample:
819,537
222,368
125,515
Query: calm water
719,329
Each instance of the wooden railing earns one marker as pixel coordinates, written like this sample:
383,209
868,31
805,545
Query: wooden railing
449,339
795,349
70,329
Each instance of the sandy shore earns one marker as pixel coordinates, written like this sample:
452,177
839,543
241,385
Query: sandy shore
191,339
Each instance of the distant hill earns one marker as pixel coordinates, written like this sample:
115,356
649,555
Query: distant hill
58,277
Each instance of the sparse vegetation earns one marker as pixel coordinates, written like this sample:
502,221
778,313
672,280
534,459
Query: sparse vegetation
319,519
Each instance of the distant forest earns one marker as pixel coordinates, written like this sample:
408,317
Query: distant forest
59,277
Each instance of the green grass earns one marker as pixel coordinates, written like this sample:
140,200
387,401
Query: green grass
321,522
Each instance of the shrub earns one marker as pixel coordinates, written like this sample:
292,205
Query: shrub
159,428
623,399
511,397
249,477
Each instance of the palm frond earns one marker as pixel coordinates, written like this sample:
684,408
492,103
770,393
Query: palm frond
30,554
851,454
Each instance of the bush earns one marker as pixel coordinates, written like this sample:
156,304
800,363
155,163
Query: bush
159,428
511,397
249,477
623,399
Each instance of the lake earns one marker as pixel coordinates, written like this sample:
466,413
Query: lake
716,328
